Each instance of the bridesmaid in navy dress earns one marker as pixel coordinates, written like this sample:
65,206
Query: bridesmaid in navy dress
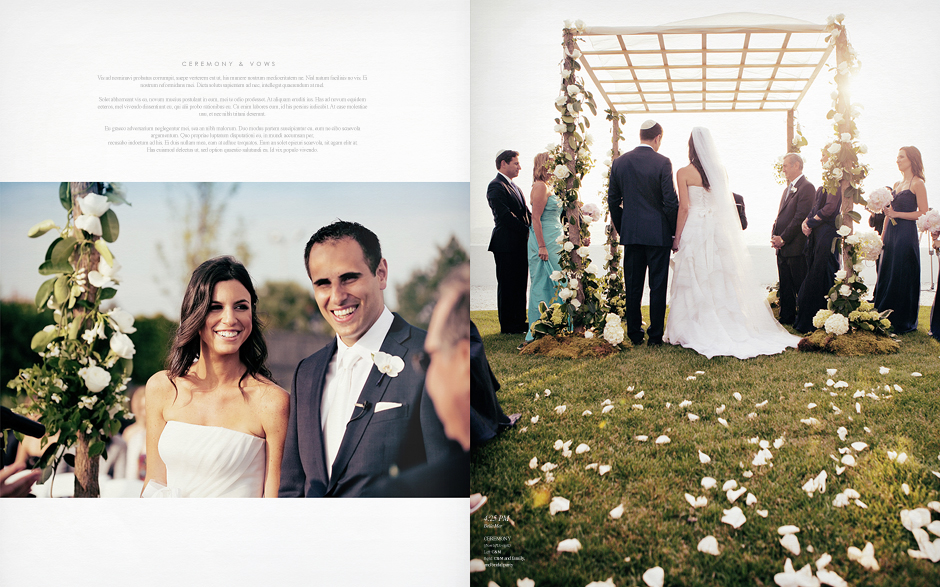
934,312
898,286
821,261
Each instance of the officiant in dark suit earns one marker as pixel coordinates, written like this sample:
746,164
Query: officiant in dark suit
787,236
358,407
644,205
511,219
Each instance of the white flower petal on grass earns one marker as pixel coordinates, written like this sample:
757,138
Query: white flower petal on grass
560,409
751,499
790,578
608,583
810,421
492,584
547,392
603,469
859,393
884,370
558,504
934,505
859,446
842,432
685,404
840,384
848,460
831,372
708,482
704,458
807,385
902,458
791,543
532,482
864,557
535,419
906,488
663,440
810,406
640,395
778,442
700,372
569,545
642,438
734,494
709,545
861,504
477,565
690,378
637,406
582,448
720,409
586,413
734,517
534,463
607,409
830,382
755,440
748,474
916,374
723,422
692,417
858,408
527,582
606,402
830,578
729,484
762,513
617,512
736,396
559,444
548,467
654,577
892,455
752,415
668,405
591,466
761,404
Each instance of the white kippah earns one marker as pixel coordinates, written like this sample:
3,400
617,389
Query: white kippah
500,152
648,124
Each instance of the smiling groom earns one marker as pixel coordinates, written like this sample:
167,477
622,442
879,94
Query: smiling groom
358,408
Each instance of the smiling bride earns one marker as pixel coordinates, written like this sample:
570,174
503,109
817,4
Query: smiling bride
215,418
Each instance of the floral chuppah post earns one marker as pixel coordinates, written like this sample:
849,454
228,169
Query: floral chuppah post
616,295
77,389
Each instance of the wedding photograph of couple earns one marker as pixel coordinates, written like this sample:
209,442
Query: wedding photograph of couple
710,320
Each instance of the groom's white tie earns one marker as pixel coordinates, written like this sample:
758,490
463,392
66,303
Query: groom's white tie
341,406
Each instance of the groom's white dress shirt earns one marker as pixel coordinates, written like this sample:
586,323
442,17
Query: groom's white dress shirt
342,385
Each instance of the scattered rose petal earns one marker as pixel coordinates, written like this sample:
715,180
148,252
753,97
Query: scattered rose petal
810,421
807,385
748,474
761,404
692,417
858,408
607,409
864,557
762,513
751,499
729,484
840,384
892,455
704,458
630,388
916,374
734,517
492,584
708,482
723,422
884,370
791,578
640,395
906,488
477,565
700,372
902,458
548,467
851,493
709,545
830,382
569,545
582,448
810,406
559,444
591,466
535,419
897,388
685,404
848,460
534,463
558,504
560,409
859,446
608,583
668,405
752,415
642,438
637,406
547,392
523,429
791,543
835,409
654,577
867,429
586,413
858,394
617,512
720,409
861,504
663,440
831,372
734,494
532,482
603,469
607,402
690,378
830,578
778,442
764,444
736,396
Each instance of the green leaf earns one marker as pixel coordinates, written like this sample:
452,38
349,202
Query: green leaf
102,248
116,198
106,293
587,121
45,290
96,448
69,459
61,289
568,119
84,304
74,327
855,215
572,142
110,228
593,108
41,339
65,195
128,366
41,228
63,251
114,426
51,248
50,268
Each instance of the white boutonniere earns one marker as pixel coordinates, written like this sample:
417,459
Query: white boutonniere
388,364
792,188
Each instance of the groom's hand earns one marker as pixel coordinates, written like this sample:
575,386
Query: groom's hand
776,241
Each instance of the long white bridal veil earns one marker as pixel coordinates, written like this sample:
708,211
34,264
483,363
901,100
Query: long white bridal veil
751,296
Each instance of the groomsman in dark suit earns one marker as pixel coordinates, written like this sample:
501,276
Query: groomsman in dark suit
787,235
644,205
508,243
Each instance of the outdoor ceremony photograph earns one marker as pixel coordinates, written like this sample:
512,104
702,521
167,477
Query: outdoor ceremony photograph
704,275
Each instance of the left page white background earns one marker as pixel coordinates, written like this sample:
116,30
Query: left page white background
416,57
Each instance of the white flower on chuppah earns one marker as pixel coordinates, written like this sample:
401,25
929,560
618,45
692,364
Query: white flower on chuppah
95,378
390,365
569,246
94,205
122,345
840,274
556,276
558,102
561,127
573,90
834,148
583,252
844,231
574,54
846,137
561,171
122,321
89,223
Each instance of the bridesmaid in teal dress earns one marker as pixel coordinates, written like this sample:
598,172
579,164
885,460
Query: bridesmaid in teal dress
543,234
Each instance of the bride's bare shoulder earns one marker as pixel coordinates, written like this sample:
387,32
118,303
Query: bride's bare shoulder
690,174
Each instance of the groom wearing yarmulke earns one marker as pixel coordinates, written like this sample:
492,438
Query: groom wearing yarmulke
644,206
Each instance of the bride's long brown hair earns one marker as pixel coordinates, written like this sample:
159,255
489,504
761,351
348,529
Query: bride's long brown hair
694,160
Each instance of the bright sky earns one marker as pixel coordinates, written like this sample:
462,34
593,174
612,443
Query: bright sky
517,48
410,219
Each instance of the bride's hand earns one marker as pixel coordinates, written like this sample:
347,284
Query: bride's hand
675,244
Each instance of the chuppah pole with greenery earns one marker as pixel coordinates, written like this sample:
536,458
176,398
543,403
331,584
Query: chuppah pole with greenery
77,389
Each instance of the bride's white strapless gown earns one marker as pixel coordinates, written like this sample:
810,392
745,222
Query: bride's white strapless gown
715,306
208,461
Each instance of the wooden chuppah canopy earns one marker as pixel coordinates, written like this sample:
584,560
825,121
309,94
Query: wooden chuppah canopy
737,62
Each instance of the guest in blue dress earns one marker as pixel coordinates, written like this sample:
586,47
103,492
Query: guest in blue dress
821,261
543,236
898,285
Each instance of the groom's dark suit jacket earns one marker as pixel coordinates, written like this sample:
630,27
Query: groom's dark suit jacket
405,436
642,198
788,225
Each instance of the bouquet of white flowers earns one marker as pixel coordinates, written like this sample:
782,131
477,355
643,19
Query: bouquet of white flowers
869,246
878,199
929,222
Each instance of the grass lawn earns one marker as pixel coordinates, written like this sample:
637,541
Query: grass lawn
659,527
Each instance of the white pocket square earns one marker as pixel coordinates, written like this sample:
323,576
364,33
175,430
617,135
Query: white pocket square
382,406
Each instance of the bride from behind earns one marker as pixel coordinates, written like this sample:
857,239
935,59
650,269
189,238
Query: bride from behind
716,308
216,421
